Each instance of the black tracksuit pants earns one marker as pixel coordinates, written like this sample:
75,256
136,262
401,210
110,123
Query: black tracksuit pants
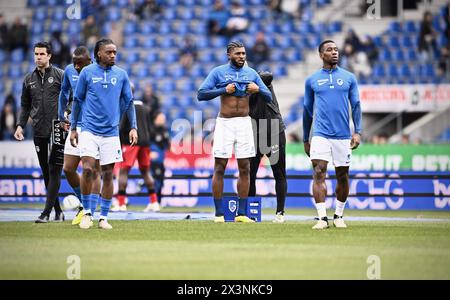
277,158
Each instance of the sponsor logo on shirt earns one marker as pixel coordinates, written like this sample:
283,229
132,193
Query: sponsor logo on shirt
75,77
322,81
96,79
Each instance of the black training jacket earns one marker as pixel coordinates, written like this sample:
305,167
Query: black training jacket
144,125
39,100
260,109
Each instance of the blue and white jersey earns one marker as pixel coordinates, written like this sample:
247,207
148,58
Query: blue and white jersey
104,93
215,83
328,94
69,83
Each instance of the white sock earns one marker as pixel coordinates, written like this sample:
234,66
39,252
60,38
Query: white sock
321,210
103,217
339,208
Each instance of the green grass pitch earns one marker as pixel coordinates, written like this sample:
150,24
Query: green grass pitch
192,249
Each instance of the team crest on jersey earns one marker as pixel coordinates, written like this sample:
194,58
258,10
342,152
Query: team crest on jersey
340,81
232,205
50,80
114,80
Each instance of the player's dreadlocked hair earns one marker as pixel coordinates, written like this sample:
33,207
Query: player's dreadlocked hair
81,50
234,44
100,44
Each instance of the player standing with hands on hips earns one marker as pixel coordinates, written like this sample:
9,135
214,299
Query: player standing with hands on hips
106,92
328,94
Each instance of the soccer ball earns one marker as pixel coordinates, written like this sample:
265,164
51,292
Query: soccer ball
71,202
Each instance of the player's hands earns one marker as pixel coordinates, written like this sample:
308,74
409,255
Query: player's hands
231,88
74,138
252,88
307,147
356,140
133,136
18,135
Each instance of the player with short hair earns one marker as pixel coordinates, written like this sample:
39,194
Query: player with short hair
72,155
234,83
328,94
104,92
39,102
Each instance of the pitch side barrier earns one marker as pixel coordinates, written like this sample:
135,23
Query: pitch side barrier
368,190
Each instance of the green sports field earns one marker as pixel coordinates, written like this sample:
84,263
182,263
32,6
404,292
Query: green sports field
193,249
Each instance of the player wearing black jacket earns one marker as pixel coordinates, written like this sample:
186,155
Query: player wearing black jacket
39,102
270,141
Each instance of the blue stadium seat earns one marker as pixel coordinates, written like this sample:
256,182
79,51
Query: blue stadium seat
385,55
141,72
129,28
146,28
171,57
279,70
185,13
202,41
33,3
166,42
407,42
158,70
395,27
113,14
292,55
132,57
17,87
428,71
378,70
122,3
55,26
17,56
410,27
59,14
378,41
197,71
164,28
412,54
205,56
37,28
393,42
176,71
151,57
180,28
399,56
130,42
335,27
169,14
166,86
2,55
40,14
405,70
392,71
149,42
74,28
